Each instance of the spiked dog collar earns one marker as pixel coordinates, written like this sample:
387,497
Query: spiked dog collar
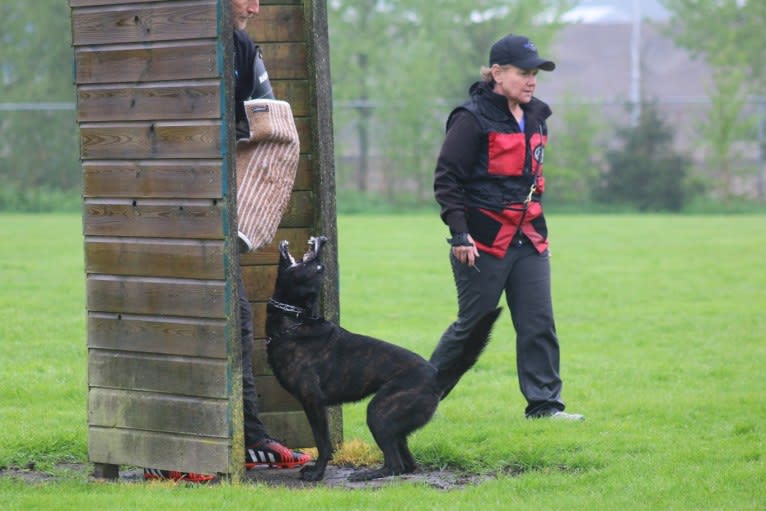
298,313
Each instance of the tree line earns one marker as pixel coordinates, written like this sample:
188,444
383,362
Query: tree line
398,67
39,167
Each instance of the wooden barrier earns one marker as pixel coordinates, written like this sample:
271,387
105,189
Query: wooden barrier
155,112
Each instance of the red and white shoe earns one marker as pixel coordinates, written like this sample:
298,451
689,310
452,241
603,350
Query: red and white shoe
155,474
270,453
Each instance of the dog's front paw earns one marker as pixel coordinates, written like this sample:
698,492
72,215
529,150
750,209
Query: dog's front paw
312,473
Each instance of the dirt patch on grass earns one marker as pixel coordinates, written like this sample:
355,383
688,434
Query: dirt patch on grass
33,475
335,477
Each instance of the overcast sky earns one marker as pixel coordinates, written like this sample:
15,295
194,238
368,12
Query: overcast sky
611,11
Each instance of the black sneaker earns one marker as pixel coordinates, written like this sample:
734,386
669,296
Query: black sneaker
270,453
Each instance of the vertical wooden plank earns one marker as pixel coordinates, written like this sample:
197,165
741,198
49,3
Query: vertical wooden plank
320,87
236,469
322,143
298,64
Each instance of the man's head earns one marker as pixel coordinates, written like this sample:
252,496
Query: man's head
242,11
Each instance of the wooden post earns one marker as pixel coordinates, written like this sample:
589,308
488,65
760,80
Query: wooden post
294,39
155,112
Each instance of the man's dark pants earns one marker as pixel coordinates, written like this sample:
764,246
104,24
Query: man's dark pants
254,428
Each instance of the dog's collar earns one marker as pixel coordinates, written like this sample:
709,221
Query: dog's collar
286,307
299,313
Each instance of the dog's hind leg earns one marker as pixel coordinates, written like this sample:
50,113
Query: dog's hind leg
410,465
391,416
383,421
392,461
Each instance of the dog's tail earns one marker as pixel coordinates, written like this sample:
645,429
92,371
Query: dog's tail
448,376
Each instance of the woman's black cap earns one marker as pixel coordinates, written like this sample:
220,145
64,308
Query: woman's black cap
520,52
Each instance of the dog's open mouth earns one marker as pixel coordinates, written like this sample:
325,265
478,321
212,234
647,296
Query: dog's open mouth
315,248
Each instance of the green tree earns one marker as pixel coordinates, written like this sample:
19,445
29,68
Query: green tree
644,170
573,157
38,149
728,34
727,123
420,57
360,60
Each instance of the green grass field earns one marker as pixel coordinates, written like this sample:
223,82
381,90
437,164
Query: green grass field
663,340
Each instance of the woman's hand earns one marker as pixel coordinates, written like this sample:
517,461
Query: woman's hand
466,254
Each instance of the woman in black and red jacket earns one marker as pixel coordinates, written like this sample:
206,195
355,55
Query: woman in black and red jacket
489,182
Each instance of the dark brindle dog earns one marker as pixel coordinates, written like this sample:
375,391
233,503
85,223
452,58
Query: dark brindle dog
321,364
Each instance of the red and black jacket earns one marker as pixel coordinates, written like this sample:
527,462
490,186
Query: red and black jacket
486,169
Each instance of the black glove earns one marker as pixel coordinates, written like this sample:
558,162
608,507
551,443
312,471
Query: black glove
460,240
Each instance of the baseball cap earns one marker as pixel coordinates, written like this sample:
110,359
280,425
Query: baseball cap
520,52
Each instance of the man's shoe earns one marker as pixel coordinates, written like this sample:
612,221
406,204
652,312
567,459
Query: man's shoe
270,453
154,474
553,413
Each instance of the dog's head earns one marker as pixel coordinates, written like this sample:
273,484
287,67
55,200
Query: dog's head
299,282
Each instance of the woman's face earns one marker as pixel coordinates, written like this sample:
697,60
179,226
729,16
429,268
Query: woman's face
516,84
